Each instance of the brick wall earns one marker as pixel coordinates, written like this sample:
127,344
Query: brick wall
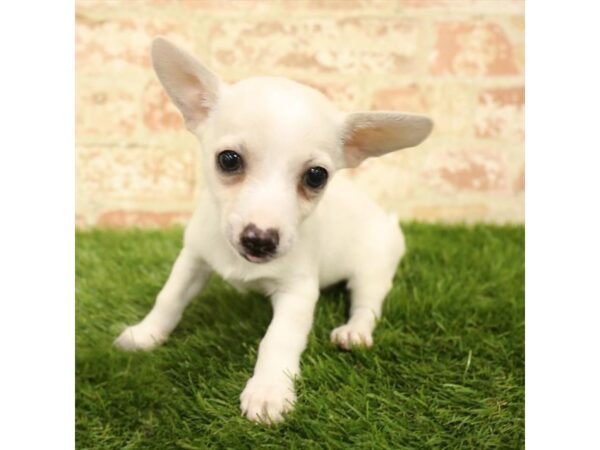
459,61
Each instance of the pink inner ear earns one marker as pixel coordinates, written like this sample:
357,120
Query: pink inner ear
353,155
192,99
372,140
366,142
378,133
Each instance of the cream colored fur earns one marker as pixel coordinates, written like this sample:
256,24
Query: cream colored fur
280,128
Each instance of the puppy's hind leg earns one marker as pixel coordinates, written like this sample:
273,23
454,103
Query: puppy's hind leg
367,295
369,287
188,277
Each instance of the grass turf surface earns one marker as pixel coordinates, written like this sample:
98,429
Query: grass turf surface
446,371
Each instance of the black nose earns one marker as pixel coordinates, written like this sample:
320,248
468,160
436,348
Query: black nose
259,242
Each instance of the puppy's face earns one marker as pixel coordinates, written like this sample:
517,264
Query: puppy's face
270,147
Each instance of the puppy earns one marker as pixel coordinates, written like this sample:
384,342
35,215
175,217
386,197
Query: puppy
275,218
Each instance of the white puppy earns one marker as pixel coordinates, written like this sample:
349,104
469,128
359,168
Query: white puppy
274,217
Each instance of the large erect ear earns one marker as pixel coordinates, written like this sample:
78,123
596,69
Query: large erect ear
191,86
377,133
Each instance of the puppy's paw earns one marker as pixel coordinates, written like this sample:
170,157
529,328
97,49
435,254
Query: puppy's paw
267,401
139,337
352,335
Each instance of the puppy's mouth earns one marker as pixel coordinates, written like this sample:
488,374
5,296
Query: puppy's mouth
259,258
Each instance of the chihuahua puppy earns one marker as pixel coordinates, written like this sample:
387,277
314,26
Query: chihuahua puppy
274,216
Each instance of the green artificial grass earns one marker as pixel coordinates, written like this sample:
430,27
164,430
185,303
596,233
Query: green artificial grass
446,370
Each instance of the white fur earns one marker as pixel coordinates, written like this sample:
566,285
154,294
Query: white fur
280,128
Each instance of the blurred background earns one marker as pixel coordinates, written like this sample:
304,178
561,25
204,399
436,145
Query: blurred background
459,61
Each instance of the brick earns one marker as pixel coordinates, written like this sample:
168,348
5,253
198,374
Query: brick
451,213
449,104
455,171
339,5
402,98
134,111
385,179
317,45
500,113
434,4
474,48
80,222
158,111
135,174
142,219
254,6
472,7
117,42
519,182
105,110
346,96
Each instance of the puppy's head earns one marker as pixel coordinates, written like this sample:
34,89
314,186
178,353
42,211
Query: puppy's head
271,146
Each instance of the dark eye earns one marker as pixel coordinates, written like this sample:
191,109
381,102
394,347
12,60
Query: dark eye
315,177
229,161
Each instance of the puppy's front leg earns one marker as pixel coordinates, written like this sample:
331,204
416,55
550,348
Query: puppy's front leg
188,277
270,392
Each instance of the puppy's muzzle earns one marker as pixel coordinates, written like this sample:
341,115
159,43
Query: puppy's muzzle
259,245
